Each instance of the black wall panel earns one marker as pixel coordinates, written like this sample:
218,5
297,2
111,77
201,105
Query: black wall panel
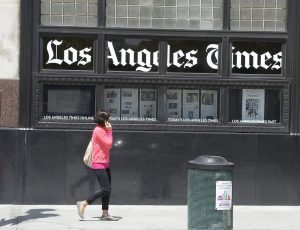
7,166
45,166
277,170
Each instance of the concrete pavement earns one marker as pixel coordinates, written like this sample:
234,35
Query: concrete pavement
60,217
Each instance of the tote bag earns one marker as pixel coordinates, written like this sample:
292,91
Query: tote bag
87,158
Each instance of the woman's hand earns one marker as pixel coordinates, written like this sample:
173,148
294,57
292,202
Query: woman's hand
108,125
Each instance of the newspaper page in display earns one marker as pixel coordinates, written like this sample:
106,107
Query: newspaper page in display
253,107
148,104
174,103
129,105
190,104
209,104
112,102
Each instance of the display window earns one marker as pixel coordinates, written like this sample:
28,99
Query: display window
255,105
190,105
172,106
68,103
131,104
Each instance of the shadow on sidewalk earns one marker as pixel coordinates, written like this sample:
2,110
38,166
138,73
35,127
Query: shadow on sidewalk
31,215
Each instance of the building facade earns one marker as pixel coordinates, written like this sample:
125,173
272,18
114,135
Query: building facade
179,78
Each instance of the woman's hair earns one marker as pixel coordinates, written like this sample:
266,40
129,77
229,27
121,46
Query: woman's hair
101,117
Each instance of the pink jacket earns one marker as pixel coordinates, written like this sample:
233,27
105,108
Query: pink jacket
102,143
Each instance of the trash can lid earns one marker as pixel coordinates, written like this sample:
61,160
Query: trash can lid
210,163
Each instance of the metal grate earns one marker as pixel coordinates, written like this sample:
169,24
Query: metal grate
202,214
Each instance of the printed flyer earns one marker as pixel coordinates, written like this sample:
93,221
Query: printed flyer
209,104
129,105
148,104
174,103
253,107
223,195
112,102
191,104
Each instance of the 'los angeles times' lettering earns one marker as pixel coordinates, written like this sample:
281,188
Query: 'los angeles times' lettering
67,117
144,60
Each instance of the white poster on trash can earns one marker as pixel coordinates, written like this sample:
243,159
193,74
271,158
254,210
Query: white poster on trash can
223,195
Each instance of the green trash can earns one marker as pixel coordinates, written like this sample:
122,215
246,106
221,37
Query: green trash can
210,193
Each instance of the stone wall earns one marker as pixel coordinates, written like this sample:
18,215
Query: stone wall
9,103
9,62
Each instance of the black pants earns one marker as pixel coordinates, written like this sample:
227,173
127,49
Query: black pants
104,179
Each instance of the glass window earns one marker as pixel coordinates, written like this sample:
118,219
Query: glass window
254,106
250,57
68,53
69,12
258,15
165,14
193,105
68,102
131,104
130,54
188,56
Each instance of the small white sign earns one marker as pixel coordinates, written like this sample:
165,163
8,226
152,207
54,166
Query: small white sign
223,195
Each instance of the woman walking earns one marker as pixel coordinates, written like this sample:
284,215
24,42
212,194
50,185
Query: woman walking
102,142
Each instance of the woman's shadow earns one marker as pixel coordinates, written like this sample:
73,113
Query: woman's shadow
30,215
86,179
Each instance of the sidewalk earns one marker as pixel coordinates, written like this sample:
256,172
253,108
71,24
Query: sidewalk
60,217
